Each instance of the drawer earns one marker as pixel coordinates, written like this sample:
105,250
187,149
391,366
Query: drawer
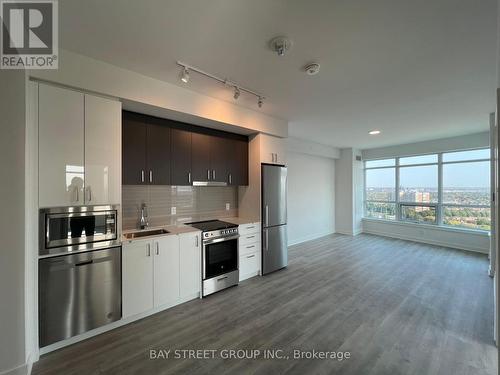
249,238
249,248
249,265
249,228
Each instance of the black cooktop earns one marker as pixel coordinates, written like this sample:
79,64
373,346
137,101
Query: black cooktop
209,225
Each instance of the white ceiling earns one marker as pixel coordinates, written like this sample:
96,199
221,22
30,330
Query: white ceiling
416,70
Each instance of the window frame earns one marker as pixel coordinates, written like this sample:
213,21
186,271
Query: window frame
439,205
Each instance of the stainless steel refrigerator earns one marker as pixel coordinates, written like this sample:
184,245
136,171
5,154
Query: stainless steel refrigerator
274,230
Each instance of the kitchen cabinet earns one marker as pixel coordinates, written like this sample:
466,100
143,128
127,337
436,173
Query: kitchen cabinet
272,149
238,163
158,154
137,278
134,133
145,152
78,148
61,146
249,250
200,157
166,270
180,171
164,152
190,265
102,149
160,272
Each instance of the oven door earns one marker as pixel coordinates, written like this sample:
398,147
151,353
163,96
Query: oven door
77,229
220,256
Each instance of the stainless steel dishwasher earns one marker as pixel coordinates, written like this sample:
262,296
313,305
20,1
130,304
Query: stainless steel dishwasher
78,292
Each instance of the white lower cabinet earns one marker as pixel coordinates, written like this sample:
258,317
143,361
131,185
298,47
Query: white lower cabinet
166,270
249,248
137,278
160,273
190,265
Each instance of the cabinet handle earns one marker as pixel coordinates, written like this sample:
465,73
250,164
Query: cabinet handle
90,193
250,256
249,247
208,174
196,241
142,175
230,179
251,227
213,175
157,248
149,250
76,191
248,237
150,176
189,177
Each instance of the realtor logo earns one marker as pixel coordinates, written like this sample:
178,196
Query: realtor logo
29,37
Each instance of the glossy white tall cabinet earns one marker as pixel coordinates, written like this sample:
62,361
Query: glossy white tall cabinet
79,148
102,150
61,146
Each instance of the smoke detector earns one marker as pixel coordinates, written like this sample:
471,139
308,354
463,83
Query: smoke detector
281,45
312,69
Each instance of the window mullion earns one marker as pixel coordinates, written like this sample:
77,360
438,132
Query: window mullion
439,212
398,213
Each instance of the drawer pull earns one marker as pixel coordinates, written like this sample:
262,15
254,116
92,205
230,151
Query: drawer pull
251,227
248,237
250,256
222,278
249,247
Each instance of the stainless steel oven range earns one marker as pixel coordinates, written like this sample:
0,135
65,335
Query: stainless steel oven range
219,256
79,271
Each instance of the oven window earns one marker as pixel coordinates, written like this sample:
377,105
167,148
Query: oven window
80,229
221,257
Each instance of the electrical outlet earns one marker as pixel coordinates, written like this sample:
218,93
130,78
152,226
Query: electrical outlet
228,206
173,211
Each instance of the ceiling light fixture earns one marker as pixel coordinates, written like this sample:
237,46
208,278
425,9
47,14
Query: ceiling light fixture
374,132
237,87
185,75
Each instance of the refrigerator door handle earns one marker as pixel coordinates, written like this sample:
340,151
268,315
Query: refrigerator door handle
267,215
266,247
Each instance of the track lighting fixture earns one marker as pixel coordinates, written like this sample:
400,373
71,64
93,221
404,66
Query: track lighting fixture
185,75
237,87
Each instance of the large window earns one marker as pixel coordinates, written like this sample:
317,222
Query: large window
451,189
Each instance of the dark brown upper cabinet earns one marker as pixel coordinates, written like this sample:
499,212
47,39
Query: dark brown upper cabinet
164,152
238,167
158,154
134,134
200,157
145,151
181,173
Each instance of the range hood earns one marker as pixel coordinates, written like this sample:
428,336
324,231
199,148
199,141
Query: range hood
209,183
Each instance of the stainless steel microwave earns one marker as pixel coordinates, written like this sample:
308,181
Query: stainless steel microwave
74,229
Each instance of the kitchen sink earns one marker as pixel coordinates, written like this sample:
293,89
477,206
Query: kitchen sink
145,233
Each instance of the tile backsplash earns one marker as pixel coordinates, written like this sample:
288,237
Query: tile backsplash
191,203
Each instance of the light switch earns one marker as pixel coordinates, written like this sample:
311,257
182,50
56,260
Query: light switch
173,211
228,206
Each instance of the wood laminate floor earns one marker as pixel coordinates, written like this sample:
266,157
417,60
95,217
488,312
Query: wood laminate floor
397,307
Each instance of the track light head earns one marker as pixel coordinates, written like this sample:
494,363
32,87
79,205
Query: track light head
236,92
185,75
260,102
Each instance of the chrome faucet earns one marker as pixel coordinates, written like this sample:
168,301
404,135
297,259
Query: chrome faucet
143,222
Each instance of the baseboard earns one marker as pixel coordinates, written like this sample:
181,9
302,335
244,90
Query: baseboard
426,241
24,369
310,238
349,232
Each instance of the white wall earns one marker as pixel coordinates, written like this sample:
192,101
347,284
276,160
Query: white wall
12,257
311,197
472,241
148,95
